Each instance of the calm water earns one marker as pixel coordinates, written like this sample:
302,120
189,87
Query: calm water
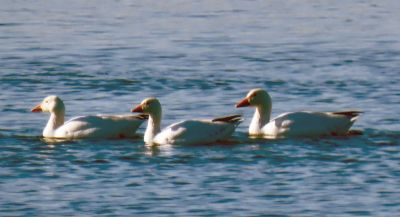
200,58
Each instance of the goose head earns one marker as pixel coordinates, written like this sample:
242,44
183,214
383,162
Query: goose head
257,98
150,106
52,104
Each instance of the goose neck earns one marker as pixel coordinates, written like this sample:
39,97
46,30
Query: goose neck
260,118
153,127
55,121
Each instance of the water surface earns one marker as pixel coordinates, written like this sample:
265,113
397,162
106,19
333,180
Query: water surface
199,58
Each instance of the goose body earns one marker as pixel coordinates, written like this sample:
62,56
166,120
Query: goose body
98,126
191,132
188,132
94,126
291,124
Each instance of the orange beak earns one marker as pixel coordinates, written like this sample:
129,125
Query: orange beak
243,103
37,108
137,109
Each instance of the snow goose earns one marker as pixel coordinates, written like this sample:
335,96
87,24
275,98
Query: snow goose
188,132
304,123
94,126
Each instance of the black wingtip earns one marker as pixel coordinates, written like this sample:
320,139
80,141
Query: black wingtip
228,119
142,116
354,113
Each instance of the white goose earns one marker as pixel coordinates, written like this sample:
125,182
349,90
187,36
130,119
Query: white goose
95,126
290,124
189,132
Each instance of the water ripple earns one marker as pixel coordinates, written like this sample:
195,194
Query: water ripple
199,59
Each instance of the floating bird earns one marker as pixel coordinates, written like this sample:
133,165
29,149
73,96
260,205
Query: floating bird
94,126
188,132
303,123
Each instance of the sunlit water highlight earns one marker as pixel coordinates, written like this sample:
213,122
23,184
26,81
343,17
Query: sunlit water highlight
199,58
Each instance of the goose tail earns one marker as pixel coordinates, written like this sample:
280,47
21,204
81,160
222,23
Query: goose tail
352,115
142,116
235,119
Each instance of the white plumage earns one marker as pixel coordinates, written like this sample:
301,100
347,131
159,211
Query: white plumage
304,123
188,132
94,126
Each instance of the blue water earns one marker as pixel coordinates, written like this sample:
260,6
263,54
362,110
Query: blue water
199,58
